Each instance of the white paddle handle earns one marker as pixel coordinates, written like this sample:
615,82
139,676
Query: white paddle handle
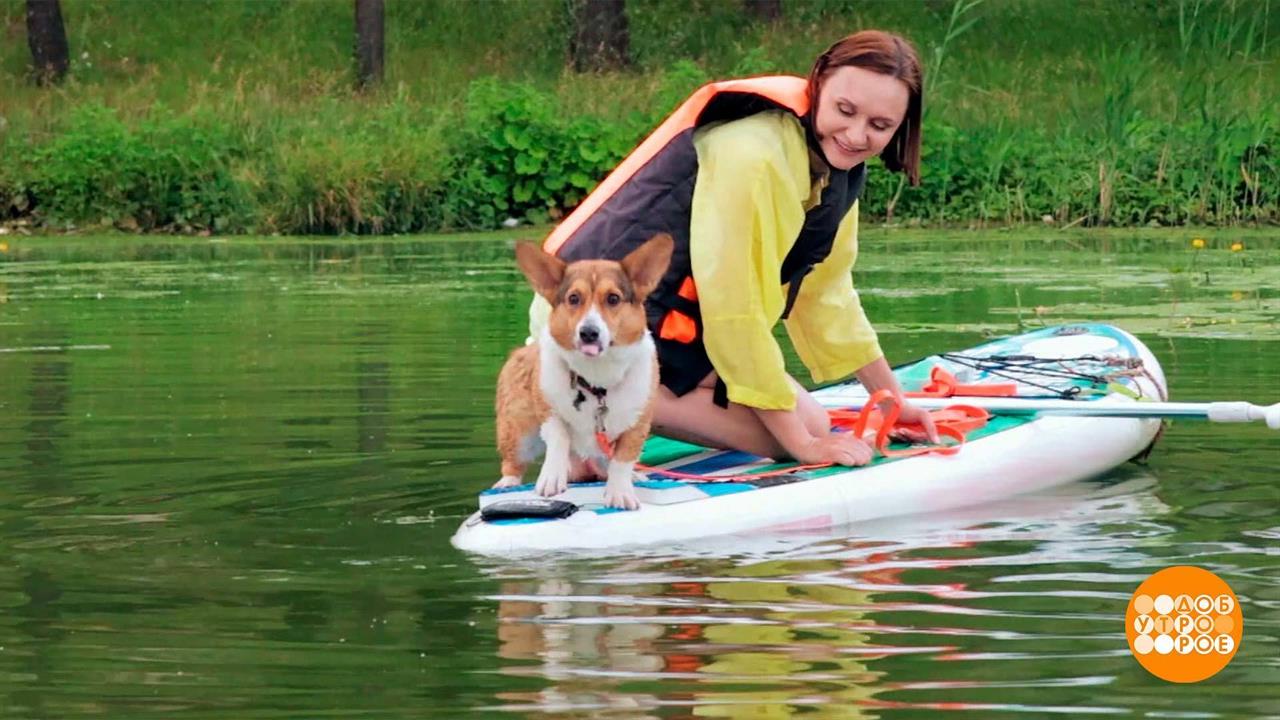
1232,412
1224,412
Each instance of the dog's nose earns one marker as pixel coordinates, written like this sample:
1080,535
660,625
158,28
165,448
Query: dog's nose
588,334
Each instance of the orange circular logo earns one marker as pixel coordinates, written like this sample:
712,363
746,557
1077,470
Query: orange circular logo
1184,624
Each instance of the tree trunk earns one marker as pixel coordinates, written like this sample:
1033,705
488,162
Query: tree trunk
765,10
601,40
48,41
369,42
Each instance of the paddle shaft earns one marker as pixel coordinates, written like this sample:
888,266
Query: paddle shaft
1229,412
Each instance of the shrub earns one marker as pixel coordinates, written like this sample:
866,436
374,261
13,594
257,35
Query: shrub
519,156
382,172
167,172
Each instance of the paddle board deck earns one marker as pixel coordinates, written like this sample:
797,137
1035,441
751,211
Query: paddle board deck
1012,454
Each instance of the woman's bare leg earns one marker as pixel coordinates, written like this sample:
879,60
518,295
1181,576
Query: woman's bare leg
695,418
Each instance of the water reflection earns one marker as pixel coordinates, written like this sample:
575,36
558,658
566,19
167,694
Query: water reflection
38,621
48,393
826,624
373,388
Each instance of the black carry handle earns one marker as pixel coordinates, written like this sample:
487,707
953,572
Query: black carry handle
518,508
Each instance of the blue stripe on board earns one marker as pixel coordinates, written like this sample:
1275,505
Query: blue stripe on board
717,489
519,521
711,489
531,486
505,490
652,484
715,463
660,484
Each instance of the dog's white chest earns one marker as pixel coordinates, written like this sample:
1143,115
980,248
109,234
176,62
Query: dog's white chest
586,407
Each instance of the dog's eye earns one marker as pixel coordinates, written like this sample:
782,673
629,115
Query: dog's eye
574,299
613,299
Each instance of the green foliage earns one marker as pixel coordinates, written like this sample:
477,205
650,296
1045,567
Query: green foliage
165,172
996,175
379,173
13,197
664,30
1112,113
521,156
755,62
678,83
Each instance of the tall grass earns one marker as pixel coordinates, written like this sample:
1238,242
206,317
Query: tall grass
1085,113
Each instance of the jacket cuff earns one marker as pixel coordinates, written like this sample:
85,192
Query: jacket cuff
759,400
846,367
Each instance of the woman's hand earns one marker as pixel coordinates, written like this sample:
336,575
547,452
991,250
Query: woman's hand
877,375
915,415
835,448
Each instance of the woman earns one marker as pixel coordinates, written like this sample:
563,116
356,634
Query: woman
757,180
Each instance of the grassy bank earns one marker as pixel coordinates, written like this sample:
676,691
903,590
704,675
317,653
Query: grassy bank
238,115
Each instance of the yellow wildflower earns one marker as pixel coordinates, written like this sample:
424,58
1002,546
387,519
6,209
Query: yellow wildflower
1197,243
1237,246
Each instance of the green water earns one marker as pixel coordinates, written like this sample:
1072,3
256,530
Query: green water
229,472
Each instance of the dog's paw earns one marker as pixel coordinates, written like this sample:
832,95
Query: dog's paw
620,492
622,498
548,486
553,479
507,481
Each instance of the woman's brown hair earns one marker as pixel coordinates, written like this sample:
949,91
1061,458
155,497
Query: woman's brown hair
887,54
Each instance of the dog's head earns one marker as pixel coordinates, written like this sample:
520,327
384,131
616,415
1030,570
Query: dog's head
596,304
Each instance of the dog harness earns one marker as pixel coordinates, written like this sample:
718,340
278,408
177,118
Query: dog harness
579,383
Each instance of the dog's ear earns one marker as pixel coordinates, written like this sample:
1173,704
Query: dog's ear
646,265
545,271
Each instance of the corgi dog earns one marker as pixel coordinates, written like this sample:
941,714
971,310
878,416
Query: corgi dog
593,371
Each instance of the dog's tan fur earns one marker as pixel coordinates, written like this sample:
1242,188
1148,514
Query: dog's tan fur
615,292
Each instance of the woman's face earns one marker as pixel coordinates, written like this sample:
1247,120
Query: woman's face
858,112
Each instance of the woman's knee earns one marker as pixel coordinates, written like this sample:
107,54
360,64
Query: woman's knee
666,406
694,417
